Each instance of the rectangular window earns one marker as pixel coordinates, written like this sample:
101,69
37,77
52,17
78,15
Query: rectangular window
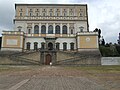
20,14
19,29
36,14
43,14
57,14
29,31
50,14
30,14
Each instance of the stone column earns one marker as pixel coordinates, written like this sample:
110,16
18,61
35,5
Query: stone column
32,28
53,28
40,28
46,28
61,28
68,32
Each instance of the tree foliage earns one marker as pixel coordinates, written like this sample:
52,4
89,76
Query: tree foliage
99,32
119,39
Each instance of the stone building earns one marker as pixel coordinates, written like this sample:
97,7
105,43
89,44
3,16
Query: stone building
50,27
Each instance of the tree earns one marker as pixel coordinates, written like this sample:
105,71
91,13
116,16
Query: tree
0,42
119,39
103,42
99,33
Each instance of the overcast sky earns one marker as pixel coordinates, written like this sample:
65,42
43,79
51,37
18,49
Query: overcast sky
103,14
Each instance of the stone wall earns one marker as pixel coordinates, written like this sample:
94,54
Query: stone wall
110,60
79,58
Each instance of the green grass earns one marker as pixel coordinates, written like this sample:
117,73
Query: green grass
96,69
99,69
5,68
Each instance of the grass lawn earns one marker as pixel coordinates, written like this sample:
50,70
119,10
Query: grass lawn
98,69
9,68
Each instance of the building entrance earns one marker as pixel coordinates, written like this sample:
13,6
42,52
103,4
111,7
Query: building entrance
48,59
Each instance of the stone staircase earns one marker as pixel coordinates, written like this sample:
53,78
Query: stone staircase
63,58
81,58
19,58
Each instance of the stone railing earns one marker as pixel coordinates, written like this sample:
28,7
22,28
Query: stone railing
50,35
87,33
51,17
13,32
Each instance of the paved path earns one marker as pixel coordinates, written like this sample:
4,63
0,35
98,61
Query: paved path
48,78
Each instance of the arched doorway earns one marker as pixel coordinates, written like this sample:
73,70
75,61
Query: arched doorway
50,46
48,59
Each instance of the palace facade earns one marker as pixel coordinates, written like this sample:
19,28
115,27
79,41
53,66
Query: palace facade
50,27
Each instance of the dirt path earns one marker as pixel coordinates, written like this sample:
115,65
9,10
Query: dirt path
57,78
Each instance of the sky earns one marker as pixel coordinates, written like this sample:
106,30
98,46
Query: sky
102,14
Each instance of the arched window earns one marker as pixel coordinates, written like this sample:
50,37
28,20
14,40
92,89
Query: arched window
35,45
28,45
64,29
57,46
50,46
36,29
43,29
57,29
71,46
42,45
64,46
50,29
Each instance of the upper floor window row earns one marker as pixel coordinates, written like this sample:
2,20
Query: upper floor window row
51,12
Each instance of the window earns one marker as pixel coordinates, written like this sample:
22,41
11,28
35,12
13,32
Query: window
50,13
28,45
50,46
57,46
81,14
57,14
19,28
43,29
71,13
20,14
64,29
35,45
37,14
71,31
71,46
50,29
57,29
29,31
42,45
30,14
64,46
64,14
36,29
43,14
81,29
